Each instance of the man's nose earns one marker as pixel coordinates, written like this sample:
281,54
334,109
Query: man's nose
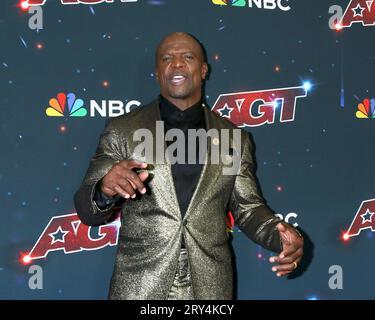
178,62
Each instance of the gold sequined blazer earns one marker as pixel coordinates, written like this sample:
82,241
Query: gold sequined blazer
152,226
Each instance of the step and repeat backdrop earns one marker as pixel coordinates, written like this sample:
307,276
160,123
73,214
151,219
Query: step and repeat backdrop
297,75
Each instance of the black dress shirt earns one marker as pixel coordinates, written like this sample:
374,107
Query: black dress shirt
185,176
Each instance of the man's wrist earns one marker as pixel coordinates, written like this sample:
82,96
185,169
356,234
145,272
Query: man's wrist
101,199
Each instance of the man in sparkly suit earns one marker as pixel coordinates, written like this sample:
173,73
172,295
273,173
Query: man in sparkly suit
173,242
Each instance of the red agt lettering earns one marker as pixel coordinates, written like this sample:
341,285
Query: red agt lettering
68,233
42,2
256,108
358,11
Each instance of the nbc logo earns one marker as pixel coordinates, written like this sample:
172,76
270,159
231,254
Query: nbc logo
57,106
260,4
236,3
68,105
366,109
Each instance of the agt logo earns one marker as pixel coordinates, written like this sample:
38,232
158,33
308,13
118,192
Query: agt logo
260,4
357,11
364,219
69,105
366,109
69,234
256,108
26,3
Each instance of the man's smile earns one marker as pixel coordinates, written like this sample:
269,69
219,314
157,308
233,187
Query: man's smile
177,79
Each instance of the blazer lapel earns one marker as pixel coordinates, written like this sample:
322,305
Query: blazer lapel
162,174
209,171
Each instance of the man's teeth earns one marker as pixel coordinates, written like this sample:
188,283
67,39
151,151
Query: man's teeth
178,79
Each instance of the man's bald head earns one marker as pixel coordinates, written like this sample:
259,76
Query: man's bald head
179,36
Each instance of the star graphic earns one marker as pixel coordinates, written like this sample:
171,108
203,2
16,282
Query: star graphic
358,11
367,216
225,111
58,235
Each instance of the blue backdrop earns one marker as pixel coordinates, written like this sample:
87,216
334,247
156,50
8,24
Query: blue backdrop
317,168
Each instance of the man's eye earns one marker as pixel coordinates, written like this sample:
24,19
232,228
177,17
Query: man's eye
189,57
164,59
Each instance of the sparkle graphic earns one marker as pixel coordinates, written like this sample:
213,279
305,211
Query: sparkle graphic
24,5
342,98
63,128
342,91
307,86
276,104
345,236
105,83
23,42
155,2
25,259
338,27
92,10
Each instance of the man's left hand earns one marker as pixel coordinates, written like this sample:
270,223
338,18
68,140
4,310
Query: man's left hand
292,251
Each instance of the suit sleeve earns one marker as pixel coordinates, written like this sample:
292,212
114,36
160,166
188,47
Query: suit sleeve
250,212
107,154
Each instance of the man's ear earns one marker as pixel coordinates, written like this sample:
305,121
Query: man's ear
204,70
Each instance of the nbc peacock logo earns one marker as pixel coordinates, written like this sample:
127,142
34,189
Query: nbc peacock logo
235,3
366,109
57,106
259,4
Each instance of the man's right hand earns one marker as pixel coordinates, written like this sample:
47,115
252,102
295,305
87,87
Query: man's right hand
122,180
